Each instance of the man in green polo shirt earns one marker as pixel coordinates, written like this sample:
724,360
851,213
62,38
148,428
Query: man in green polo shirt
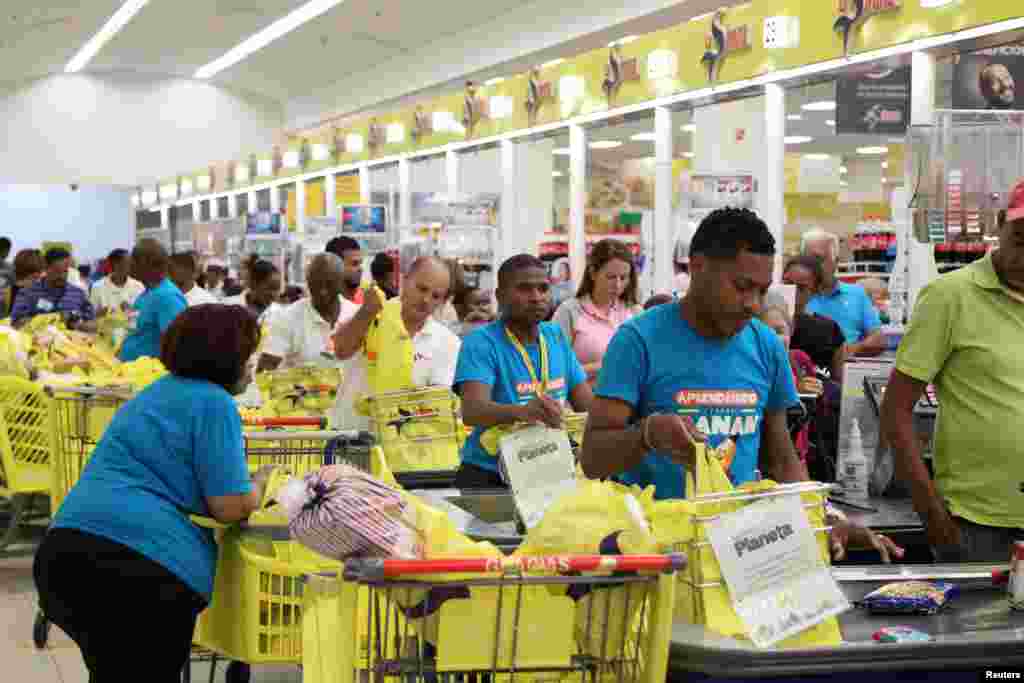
967,338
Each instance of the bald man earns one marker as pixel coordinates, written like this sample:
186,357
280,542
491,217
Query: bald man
436,348
156,308
303,333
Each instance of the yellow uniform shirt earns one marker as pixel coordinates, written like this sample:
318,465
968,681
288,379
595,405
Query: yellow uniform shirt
967,337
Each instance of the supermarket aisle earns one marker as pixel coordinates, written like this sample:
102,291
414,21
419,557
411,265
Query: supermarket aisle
61,661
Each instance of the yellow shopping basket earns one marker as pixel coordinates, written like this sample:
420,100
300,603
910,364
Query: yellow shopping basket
420,430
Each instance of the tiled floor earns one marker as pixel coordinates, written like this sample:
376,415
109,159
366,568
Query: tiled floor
61,662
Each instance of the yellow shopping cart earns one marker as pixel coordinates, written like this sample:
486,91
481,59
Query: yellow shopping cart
421,433
572,618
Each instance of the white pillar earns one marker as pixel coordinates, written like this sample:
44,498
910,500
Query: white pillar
275,199
577,201
659,251
252,201
404,192
233,206
771,171
197,214
165,218
364,186
214,208
330,196
509,220
451,173
300,206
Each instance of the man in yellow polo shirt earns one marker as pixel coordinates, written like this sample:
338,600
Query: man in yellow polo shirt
967,338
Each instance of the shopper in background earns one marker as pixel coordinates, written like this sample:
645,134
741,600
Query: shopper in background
446,313
474,308
819,337
303,333
351,254
382,269
75,275
965,337
879,295
681,259
290,295
6,268
561,282
118,291
183,271
703,371
174,450
435,347
216,273
157,307
54,294
848,305
264,288
28,267
518,369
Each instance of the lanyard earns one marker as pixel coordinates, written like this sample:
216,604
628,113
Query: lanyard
542,386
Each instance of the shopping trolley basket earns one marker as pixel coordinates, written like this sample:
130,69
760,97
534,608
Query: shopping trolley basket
539,618
421,434
300,451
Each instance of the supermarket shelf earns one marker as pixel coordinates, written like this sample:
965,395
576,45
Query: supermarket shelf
561,238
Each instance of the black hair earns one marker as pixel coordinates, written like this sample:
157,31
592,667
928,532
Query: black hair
515,264
339,245
5,245
231,287
56,254
382,266
809,262
117,256
260,271
657,300
461,297
724,233
185,260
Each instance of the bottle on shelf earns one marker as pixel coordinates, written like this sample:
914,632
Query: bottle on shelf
853,471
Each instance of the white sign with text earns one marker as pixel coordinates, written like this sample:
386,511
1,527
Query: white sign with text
772,564
539,466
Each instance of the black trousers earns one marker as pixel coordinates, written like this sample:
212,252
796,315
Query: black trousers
122,609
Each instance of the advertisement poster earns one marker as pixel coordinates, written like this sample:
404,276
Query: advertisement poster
988,79
717,191
363,218
263,223
874,101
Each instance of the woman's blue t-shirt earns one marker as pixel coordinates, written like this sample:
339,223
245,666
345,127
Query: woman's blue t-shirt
487,356
657,363
155,310
168,450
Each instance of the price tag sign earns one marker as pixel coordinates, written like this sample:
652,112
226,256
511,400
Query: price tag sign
772,564
540,468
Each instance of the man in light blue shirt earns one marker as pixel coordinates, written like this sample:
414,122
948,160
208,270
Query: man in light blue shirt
157,307
848,305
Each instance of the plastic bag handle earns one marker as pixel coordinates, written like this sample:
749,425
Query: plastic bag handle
375,569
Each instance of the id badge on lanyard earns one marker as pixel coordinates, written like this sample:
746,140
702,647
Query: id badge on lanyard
540,385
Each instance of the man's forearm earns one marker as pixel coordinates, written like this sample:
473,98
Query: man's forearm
871,345
351,335
485,414
607,452
910,466
778,456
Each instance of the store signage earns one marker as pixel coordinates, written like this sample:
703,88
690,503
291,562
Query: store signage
265,168
617,71
353,143
873,102
374,136
721,41
538,92
988,79
770,560
395,133
853,14
422,124
662,64
474,108
501,106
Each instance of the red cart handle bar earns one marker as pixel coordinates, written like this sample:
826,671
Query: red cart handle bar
376,569
319,422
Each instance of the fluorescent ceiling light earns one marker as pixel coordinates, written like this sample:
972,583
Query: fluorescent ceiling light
605,144
843,183
553,62
797,139
117,22
689,155
495,81
643,137
257,41
557,174
622,41
872,150
794,117
561,151
843,169
817,157
933,4
885,164
824,105
831,123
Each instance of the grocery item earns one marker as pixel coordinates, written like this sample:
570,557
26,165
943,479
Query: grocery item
909,597
853,474
900,634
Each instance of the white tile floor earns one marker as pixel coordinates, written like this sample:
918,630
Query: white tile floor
61,661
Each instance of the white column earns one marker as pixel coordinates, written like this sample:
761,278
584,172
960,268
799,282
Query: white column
275,199
364,186
252,201
577,201
330,196
300,207
165,218
214,208
771,171
233,206
197,214
451,172
659,251
404,192
505,243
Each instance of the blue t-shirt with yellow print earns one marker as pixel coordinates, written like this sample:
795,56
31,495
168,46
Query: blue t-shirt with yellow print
489,357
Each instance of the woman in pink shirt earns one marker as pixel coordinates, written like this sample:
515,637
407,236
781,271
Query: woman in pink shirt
607,297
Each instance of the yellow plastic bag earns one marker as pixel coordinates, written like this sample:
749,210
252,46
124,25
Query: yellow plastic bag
389,353
14,357
675,528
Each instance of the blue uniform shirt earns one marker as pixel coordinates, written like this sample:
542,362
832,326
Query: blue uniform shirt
155,310
851,307
41,299
176,444
488,356
657,363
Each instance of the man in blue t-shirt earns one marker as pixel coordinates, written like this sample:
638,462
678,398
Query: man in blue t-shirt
156,308
704,370
501,369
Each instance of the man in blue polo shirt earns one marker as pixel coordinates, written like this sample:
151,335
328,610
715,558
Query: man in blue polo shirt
516,370
848,305
156,308
54,294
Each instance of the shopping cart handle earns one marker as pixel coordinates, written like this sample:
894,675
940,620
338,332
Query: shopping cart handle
377,569
295,421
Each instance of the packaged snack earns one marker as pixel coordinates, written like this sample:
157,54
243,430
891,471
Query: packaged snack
900,634
909,597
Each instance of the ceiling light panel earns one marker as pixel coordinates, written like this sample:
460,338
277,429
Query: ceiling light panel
117,22
286,24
